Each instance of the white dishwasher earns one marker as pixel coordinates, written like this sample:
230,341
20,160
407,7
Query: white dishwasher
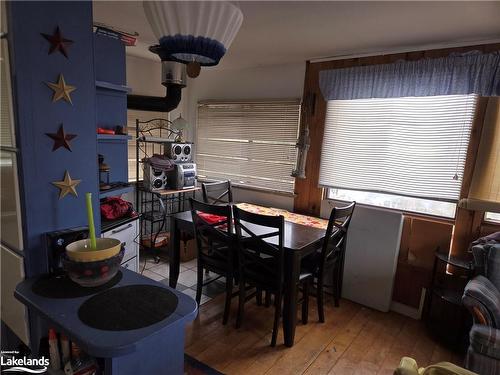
127,233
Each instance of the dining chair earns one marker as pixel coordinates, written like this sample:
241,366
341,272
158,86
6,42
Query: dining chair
215,247
217,192
331,256
261,261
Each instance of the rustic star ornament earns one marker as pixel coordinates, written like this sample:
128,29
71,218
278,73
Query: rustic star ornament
61,90
67,186
61,139
57,42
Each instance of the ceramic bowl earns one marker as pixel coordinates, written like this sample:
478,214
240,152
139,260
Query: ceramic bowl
94,273
80,251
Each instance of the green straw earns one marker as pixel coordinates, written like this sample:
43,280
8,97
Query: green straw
90,217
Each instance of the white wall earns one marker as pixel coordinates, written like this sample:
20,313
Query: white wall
144,78
269,82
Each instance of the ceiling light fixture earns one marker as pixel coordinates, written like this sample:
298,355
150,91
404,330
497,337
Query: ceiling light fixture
189,33
193,31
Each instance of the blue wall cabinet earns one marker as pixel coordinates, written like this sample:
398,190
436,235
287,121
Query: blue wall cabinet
36,115
111,108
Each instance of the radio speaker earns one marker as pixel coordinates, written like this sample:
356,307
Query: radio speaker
154,179
179,152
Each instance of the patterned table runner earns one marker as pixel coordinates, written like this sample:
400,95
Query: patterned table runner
289,216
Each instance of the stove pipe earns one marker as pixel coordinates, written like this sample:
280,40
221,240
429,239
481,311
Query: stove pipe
173,77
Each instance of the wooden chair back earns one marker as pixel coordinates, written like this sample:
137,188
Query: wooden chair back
336,235
214,235
217,192
260,249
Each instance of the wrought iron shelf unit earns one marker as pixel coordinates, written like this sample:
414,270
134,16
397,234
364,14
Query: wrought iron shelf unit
158,206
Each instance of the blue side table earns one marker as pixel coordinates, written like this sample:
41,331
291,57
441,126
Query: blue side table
155,349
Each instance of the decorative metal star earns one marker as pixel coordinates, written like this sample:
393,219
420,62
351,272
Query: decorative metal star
67,186
61,139
61,90
57,42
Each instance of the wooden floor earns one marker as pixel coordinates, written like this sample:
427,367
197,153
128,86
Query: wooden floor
353,340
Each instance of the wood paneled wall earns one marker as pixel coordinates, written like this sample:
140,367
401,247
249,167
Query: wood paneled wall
422,235
467,222
420,239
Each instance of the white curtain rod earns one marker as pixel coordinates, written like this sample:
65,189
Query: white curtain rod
404,50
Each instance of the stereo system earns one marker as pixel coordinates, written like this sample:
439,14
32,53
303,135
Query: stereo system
154,179
183,176
173,170
179,152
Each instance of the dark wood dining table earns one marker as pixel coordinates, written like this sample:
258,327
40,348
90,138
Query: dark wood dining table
299,241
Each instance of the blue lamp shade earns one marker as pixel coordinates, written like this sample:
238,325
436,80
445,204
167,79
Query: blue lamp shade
193,31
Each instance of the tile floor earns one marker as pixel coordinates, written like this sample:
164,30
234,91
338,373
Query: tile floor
187,277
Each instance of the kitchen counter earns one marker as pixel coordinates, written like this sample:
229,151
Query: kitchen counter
134,351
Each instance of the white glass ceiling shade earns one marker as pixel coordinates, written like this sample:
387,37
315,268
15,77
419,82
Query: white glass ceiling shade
188,31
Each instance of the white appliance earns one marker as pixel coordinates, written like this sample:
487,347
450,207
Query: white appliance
127,234
371,256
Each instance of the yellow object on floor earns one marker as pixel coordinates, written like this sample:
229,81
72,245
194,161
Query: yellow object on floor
408,366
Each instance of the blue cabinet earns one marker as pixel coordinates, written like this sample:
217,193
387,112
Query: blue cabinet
109,57
111,108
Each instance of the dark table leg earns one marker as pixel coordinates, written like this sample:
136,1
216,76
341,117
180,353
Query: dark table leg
292,270
175,249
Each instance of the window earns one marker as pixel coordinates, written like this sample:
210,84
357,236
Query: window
147,149
492,216
249,143
403,153
397,202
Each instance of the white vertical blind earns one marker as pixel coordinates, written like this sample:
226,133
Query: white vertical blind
413,146
249,143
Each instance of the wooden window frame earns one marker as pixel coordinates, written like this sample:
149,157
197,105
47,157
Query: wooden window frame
308,196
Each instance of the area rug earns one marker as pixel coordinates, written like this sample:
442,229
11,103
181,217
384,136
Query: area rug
194,367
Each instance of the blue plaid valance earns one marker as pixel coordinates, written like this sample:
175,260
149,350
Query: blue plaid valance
469,73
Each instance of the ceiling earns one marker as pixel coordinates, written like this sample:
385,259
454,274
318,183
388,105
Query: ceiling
283,32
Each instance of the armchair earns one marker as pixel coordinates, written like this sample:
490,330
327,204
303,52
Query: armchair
482,298
408,366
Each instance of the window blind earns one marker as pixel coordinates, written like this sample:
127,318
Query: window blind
249,143
413,146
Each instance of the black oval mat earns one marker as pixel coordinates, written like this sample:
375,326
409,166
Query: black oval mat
62,286
128,307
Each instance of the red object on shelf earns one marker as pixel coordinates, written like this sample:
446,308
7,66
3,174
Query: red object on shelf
113,208
105,131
